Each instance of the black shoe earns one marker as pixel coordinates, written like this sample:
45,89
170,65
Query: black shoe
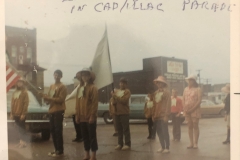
77,140
153,138
226,142
115,134
149,137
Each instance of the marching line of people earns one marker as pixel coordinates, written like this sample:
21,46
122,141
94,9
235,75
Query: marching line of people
158,108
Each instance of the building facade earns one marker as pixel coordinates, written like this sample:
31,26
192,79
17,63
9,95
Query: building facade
21,49
141,81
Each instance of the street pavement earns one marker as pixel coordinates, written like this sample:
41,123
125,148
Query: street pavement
212,133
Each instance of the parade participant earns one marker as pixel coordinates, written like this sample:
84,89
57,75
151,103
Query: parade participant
226,89
161,113
148,114
19,108
77,127
112,112
121,101
176,110
192,97
56,99
86,111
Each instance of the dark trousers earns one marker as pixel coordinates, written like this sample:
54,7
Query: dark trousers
162,131
77,128
122,122
114,123
176,123
150,127
89,135
56,124
21,127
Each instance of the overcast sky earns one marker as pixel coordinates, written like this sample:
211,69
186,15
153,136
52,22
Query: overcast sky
68,41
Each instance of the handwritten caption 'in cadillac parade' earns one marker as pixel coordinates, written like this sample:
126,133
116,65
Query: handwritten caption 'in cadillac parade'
158,6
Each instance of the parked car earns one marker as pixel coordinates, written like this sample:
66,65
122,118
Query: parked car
136,103
37,118
209,108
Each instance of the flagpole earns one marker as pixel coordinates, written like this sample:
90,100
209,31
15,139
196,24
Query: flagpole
109,55
22,76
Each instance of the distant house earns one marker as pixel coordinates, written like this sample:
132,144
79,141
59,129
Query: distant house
21,48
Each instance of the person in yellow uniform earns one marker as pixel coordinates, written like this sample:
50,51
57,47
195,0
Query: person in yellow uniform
19,108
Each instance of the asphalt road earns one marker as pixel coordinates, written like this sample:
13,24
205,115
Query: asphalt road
212,133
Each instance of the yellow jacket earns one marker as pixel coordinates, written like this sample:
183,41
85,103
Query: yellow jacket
19,104
122,103
87,103
58,94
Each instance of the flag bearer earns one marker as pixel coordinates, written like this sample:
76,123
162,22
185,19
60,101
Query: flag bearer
56,98
121,101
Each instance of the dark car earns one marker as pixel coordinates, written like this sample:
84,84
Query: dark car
37,118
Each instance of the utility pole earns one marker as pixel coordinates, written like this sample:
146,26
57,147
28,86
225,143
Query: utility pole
199,70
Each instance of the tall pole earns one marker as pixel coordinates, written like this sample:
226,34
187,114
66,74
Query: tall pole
109,55
199,76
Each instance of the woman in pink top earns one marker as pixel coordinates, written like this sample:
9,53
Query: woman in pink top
192,97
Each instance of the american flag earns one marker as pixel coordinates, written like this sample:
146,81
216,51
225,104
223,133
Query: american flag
11,77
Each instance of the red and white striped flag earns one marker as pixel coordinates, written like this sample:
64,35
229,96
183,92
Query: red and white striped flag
11,77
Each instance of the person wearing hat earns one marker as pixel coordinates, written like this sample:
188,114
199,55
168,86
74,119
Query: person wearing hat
226,89
161,113
77,127
56,99
121,101
19,108
86,112
192,97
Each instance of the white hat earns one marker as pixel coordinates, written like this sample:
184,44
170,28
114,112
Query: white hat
194,77
160,79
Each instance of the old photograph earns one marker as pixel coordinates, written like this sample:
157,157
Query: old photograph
127,79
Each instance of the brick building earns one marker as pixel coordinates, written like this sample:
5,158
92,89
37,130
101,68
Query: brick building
21,48
141,81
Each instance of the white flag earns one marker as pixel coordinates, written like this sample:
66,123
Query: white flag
101,64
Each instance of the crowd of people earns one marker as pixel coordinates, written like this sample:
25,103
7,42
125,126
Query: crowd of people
160,105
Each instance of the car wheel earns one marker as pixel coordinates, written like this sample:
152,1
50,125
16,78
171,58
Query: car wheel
222,112
107,118
45,134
